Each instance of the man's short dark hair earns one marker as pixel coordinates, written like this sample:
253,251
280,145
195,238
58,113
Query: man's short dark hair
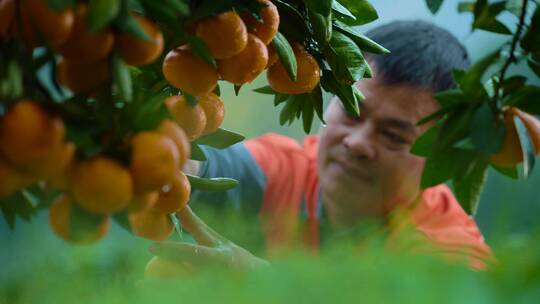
422,54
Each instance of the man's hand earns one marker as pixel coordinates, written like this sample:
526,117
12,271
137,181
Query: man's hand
212,248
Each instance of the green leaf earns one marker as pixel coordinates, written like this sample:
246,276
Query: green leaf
362,10
217,90
465,144
178,6
207,8
307,114
485,17
531,40
237,88
134,5
101,13
438,114
342,10
197,153
511,172
514,7
122,78
362,41
434,5
450,97
122,219
487,133
128,24
465,163
317,101
513,84
17,205
291,22
148,112
323,7
279,98
216,184
163,12
346,93
265,90
202,50
322,28
439,167
290,109
60,5
15,79
285,54
454,128
345,58
466,7
527,146
86,146
471,80
469,188
220,139
424,143
526,99
534,66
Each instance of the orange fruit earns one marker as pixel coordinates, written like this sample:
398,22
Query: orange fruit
511,152
151,224
308,74
143,201
188,72
154,161
268,26
191,119
11,180
29,135
82,77
101,185
272,56
83,46
56,168
160,268
137,51
214,110
7,15
225,34
247,65
74,225
175,195
177,134
39,21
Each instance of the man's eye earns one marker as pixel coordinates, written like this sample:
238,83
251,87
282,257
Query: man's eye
394,137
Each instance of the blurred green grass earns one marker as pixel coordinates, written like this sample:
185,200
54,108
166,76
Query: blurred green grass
43,269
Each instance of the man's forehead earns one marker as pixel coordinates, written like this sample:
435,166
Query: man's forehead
396,103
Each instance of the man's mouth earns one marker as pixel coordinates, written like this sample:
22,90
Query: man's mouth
352,170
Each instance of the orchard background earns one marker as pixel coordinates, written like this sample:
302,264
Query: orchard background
36,266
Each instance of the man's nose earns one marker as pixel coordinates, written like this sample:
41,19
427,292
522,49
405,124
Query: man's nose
359,143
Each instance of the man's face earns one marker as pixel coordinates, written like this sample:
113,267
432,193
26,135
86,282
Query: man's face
364,163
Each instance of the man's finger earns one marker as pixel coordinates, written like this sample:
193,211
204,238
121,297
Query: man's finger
203,234
185,252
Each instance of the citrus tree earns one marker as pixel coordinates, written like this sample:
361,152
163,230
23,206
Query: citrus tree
104,101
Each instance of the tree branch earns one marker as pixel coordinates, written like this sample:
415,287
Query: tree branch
512,58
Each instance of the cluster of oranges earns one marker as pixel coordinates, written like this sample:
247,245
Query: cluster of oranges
149,187
67,33
241,46
34,150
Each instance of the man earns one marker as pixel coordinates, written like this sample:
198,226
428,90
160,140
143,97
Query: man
356,169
